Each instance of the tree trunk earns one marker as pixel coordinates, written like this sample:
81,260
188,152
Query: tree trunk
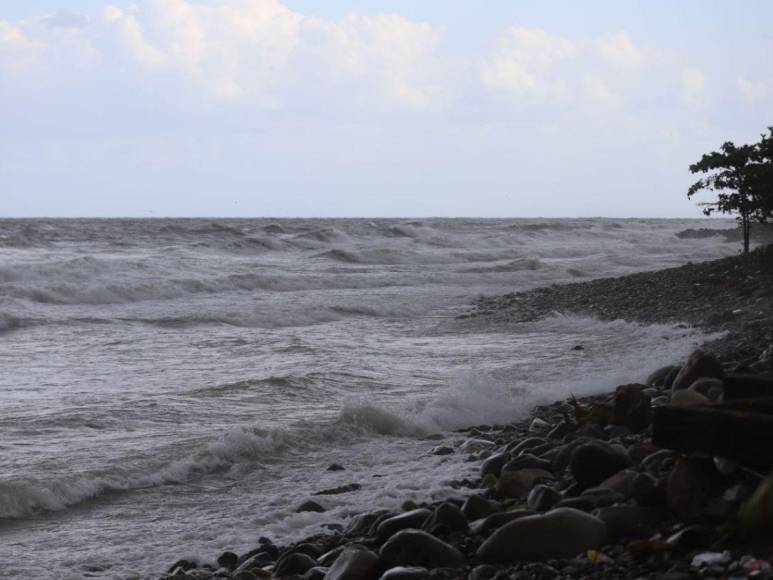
746,226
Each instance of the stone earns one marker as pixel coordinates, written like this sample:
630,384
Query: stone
411,519
495,521
631,521
355,562
335,467
476,507
621,482
449,516
483,572
632,408
564,454
518,447
657,378
560,533
711,388
340,489
687,397
313,550
689,487
294,564
489,482
328,558
648,491
418,548
516,484
538,424
659,460
228,560
405,573
699,364
315,573
442,450
561,430
493,465
542,497
527,461
310,506
361,523
476,445
593,462
690,539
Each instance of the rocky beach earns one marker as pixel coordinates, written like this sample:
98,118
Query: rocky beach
590,487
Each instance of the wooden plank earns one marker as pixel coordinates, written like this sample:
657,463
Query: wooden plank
744,436
748,386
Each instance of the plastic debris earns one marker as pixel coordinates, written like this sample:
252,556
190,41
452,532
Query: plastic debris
755,567
705,559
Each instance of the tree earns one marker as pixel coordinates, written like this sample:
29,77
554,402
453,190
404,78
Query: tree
741,177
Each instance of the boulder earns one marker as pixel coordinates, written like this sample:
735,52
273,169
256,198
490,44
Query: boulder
310,506
699,364
632,407
477,507
689,487
361,523
493,465
527,461
560,533
495,521
354,563
711,388
294,564
517,484
518,447
593,462
411,519
228,560
542,497
418,548
405,573
657,378
686,397
631,521
447,516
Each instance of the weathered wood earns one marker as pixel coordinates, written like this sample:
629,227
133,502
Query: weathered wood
744,436
748,386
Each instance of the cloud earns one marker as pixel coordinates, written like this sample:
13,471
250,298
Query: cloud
693,87
755,91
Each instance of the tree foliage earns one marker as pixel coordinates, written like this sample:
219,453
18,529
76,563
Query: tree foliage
742,177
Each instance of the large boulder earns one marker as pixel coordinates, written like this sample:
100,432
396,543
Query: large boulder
493,465
447,516
632,407
631,521
495,521
699,364
477,506
411,519
560,533
517,484
418,548
294,564
354,563
593,462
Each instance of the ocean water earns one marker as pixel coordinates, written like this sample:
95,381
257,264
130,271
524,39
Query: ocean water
176,388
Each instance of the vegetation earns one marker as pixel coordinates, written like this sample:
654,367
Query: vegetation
742,177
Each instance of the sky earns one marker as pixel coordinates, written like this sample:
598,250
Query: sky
334,108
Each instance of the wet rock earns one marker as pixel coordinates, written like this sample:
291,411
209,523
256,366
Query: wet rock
699,364
690,539
310,506
538,424
593,462
340,489
711,388
632,408
495,521
448,516
657,378
477,507
294,564
516,484
584,504
418,548
564,454
228,560
405,573
561,533
542,497
561,430
315,573
659,461
181,565
483,572
354,563
648,491
493,465
687,397
527,461
442,450
335,467
411,519
621,482
518,447
253,561
361,523
689,488
631,521
310,549
328,558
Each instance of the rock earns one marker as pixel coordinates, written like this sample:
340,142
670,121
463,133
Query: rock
631,521
310,506
564,454
442,450
489,482
335,467
621,482
584,504
699,364
294,564
495,521
527,461
315,573
313,550
542,497
355,562
648,491
411,519
516,484
658,377
483,572
449,516
593,462
756,513
632,408
561,430
328,558
538,424
418,548
361,523
687,397
518,447
689,487
181,565
228,560
659,461
476,445
405,573
690,539
477,507
253,561
337,490
711,388
493,465
561,533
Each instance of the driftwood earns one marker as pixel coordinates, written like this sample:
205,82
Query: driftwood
741,430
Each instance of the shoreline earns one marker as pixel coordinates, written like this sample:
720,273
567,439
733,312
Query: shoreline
625,507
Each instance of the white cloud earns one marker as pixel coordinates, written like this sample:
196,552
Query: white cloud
693,87
755,91
618,50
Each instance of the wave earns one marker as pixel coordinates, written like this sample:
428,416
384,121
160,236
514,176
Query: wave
520,265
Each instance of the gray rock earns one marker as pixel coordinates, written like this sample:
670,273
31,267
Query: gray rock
483,572
658,377
294,564
699,364
354,563
228,560
335,467
527,461
561,533
447,516
686,397
631,521
361,523
310,506
442,450
496,521
418,548
405,573
477,507
493,465
412,519
711,388
518,447
542,497
315,573
594,462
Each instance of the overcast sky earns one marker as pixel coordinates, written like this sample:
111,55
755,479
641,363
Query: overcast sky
375,107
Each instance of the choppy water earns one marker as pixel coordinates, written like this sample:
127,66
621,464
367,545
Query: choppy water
177,387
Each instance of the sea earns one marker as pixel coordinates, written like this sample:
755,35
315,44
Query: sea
175,388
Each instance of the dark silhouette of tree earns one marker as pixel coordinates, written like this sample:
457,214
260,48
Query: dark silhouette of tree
740,175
